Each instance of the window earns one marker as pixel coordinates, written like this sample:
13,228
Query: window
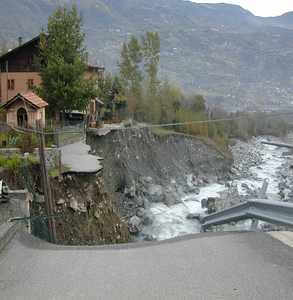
30,84
30,60
11,84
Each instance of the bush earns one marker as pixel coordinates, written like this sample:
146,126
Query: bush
27,143
12,163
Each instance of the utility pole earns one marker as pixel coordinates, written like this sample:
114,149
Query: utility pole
46,183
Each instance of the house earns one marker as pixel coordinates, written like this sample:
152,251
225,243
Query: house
25,108
18,74
17,71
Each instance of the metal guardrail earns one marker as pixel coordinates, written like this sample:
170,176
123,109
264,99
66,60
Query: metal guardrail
277,144
280,213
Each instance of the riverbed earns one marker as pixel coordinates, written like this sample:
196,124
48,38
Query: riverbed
254,162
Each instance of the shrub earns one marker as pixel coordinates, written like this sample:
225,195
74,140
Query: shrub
27,143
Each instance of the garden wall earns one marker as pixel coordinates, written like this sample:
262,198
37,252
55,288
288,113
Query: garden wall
53,155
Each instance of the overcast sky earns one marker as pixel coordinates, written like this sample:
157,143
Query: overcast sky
262,8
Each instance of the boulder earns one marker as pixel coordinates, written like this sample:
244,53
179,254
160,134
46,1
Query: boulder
146,216
146,203
138,201
134,225
204,203
197,216
207,180
191,187
171,197
156,192
129,191
286,193
245,186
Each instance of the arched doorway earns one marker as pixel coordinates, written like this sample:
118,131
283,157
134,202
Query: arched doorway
21,117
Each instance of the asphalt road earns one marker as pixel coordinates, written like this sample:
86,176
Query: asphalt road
78,160
226,265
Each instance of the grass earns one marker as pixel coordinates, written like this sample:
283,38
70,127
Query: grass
221,147
56,171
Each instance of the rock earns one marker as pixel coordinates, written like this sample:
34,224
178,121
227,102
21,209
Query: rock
138,201
189,178
286,193
40,198
146,203
97,214
191,187
135,220
81,207
204,203
145,180
73,204
146,216
149,238
134,225
129,191
207,180
245,186
156,192
60,201
197,216
171,197
152,189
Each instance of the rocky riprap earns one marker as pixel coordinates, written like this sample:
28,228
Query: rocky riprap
286,181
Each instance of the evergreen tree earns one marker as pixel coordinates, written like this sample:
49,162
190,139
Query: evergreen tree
116,96
62,63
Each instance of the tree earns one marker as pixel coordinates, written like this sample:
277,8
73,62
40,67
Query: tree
151,53
105,81
3,48
130,73
62,63
198,103
116,96
129,65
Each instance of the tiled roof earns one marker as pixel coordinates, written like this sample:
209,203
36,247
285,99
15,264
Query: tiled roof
30,98
34,99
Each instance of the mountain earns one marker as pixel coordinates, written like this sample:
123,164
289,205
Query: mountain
219,50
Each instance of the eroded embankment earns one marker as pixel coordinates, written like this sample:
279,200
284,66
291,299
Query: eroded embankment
140,165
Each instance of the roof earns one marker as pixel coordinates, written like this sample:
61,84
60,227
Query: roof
35,39
30,98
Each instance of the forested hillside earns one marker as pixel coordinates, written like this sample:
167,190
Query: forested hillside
220,51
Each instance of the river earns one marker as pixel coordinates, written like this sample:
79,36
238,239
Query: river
172,221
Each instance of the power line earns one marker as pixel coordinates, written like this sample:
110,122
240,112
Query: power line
210,121
23,130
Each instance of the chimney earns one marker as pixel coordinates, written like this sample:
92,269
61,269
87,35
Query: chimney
20,41
87,57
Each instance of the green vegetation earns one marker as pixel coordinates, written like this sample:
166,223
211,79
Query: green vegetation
14,162
62,63
260,123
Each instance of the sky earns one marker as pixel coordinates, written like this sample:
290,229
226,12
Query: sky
261,8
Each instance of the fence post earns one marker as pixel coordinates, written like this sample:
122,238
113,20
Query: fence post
46,183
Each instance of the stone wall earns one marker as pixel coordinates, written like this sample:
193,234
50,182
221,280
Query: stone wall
53,155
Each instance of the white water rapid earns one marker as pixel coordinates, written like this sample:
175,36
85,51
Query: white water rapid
171,221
